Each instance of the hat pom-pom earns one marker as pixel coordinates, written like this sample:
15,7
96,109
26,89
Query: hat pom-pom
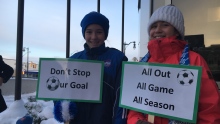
64,111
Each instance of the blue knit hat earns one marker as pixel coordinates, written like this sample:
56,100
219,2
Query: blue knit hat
95,18
27,119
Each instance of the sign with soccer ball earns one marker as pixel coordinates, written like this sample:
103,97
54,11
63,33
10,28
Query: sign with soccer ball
70,79
161,90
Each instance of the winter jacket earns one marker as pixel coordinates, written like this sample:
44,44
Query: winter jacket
169,51
6,72
108,111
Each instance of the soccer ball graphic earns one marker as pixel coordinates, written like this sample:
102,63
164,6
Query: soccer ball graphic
53,83
185,77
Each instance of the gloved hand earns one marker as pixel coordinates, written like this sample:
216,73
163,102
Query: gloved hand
6,71
142,122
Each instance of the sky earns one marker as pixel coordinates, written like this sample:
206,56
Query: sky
45,27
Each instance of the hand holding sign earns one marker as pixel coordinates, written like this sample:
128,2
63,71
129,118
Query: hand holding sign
151,119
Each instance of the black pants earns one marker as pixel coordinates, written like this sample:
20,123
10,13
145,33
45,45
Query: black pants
3,105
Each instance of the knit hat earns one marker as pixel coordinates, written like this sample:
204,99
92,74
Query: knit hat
25,120
95,18
170,14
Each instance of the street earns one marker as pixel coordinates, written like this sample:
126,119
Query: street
28,85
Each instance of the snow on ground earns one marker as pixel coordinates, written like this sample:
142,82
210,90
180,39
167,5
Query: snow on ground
17,110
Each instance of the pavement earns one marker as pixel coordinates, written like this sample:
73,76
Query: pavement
28,85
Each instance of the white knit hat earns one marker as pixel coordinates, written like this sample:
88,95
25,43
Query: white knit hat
170,14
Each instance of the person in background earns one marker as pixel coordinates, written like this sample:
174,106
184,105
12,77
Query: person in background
166,45
95,27
6,72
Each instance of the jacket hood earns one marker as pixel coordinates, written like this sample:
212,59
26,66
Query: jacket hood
161,49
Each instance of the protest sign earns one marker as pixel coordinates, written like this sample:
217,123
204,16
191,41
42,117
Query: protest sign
70,79
170,91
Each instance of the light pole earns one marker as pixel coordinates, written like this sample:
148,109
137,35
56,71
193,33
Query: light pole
27,57
134,45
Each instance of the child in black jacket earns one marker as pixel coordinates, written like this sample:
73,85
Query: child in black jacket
6,72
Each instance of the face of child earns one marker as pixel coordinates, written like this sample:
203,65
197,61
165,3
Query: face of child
162,29
94,35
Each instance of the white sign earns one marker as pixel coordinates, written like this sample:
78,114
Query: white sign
169,91
70,79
